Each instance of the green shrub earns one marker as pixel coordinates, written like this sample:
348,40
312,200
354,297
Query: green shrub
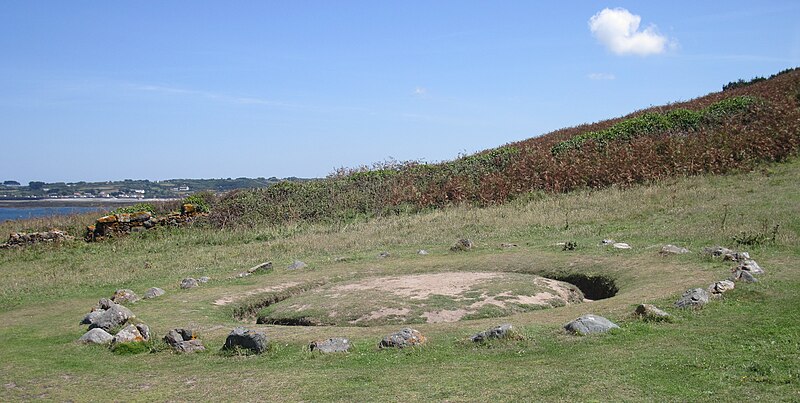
202,201
136,208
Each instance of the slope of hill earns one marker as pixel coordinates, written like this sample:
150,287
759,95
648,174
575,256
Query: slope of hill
717,133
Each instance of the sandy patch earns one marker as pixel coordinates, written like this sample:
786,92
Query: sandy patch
445,316
421,286
227,299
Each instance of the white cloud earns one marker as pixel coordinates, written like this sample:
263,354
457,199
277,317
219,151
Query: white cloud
618,30
420,91
601,76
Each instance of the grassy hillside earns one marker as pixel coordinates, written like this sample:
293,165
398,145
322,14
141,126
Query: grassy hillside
736,129
744,346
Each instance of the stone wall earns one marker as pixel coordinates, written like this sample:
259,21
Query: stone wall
23,239
123,224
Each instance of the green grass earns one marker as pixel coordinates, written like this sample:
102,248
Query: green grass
742,347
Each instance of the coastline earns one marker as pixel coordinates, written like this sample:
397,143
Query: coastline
97,202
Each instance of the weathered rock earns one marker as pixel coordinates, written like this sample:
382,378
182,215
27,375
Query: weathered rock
721,287
462,245
189,283
406,337
261,268
112,317
124,296
726,254
738,274
22,238
422,252
651,313
297,264
737,256
332,345
607,242
189,346
92,317
153,292
383,255
621,245
673,250
751,266
245,338
183,341
96,336
497,332
204,279
694,298
144,330
104,303
508,245
128,334
590,324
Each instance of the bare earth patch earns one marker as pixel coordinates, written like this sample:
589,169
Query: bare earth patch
420,286
431,298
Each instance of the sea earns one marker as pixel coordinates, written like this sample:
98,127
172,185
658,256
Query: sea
18,213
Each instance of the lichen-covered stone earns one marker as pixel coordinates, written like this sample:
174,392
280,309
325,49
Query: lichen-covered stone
497,332
721,287
590,324
650,312
332,345
189,283
244,338
128,334
462,245
694,298
406,337
153,292
297,264
112,317
751,266
123,296
183,341
738,274
673,250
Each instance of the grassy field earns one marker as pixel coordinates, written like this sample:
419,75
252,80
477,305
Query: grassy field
745,346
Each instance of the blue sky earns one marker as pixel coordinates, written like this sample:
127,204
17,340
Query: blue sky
98,90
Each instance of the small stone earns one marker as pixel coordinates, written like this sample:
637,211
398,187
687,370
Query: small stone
720,287
751,266
92,317
673,250
621,245
497,332
297,264
422,252
112,317
590,324
204,279
244,338
104,303
742,275
124,295
189,283
694,298
144,330
332,345
96,336
508,245
607,242
153,292
406,337
383,255
183,341
127,335
263,267
462,245
189,346
651,313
